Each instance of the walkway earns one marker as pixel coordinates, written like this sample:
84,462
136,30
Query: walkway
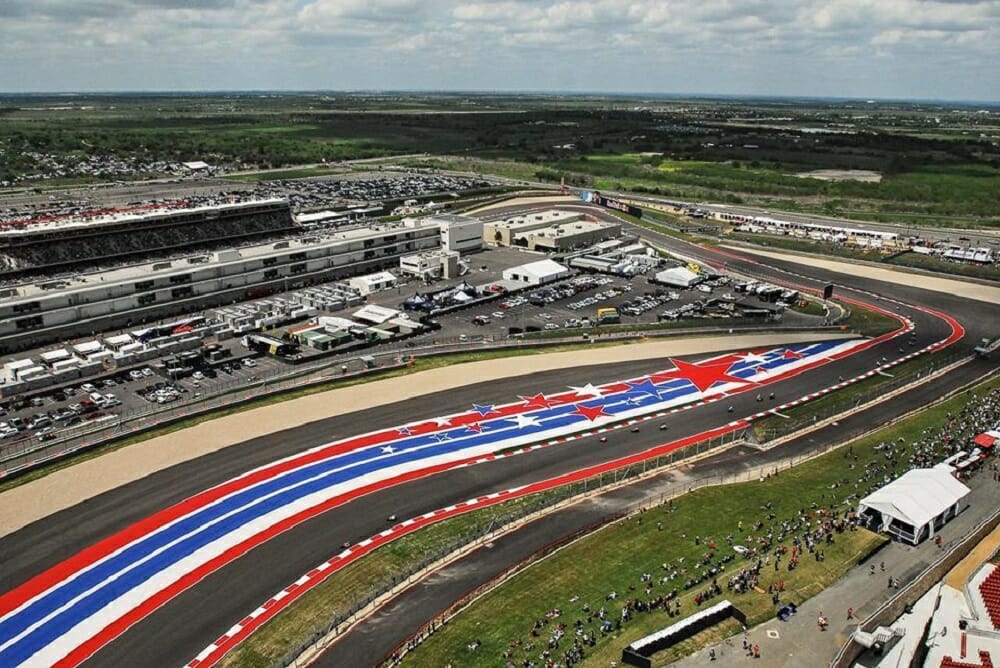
799,642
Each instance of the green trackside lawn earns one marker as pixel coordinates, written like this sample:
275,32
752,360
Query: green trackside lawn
338,593
799,416
613,558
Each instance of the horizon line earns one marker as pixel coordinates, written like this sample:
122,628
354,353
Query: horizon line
495,92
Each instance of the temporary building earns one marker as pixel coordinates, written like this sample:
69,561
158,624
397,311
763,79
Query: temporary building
678,277
376,314
536,273
914,506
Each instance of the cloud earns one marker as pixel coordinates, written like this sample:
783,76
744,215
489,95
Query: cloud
798,47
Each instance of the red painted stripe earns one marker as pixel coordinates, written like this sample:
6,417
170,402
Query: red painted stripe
75,563
90,555
224,645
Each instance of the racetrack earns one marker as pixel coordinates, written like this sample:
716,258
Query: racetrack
225,596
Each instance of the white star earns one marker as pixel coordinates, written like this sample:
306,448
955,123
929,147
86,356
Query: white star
753,358
587,390
388,449
442,422
526,421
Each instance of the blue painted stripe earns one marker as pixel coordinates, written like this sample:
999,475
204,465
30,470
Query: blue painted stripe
192,532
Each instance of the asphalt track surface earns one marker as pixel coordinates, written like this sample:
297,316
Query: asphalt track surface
168,636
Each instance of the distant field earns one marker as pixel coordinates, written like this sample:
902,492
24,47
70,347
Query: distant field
694,150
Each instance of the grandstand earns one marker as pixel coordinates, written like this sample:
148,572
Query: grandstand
57,243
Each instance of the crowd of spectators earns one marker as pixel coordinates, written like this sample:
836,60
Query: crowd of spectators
765,550
894,458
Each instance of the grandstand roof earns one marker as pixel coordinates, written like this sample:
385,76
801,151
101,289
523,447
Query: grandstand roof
178,265
117,216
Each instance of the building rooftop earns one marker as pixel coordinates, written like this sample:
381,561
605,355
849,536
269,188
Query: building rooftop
193,262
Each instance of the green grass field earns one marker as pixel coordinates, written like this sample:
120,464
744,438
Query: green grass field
801,416
351,585
613,558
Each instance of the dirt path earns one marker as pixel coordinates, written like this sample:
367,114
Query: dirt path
67,487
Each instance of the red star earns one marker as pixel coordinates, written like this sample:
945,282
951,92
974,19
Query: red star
702,377
536,401
790,354
590,412
475,426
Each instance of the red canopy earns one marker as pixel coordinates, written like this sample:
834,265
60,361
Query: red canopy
984,440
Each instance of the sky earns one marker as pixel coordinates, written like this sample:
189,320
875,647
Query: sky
917,49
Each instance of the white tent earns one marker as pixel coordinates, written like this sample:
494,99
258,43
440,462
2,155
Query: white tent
678,277
536,273
913,506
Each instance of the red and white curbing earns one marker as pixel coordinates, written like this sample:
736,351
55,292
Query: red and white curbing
239,632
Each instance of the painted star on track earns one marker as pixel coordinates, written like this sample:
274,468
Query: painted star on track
526,421
536,401
646,386
588,390
702,377
753,357
591,412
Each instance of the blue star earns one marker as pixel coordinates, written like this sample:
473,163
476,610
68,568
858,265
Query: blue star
645,387
403,431
483,410
440,438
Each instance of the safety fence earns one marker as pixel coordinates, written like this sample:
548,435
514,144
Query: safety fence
893,608
779,426
496,522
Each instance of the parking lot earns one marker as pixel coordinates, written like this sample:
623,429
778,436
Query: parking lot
571,305
574,304
108,397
